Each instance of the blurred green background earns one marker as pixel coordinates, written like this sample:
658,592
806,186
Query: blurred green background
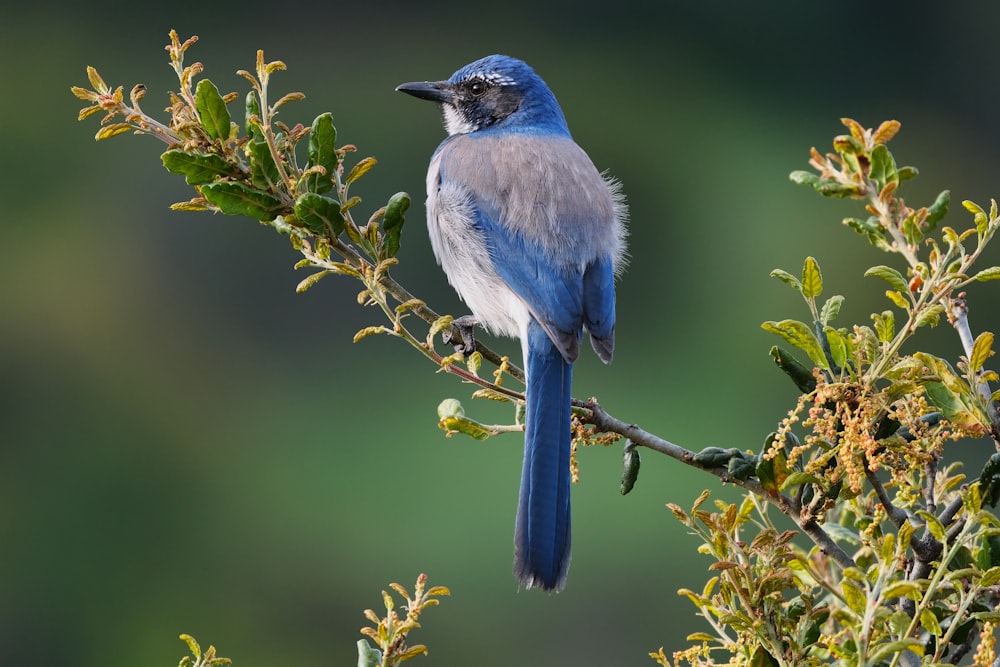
186,445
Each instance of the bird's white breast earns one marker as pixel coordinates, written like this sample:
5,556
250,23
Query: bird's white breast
462,252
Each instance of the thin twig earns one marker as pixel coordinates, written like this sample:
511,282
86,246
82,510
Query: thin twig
600,418
895,514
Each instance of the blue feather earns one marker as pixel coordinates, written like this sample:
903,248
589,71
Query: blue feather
542,529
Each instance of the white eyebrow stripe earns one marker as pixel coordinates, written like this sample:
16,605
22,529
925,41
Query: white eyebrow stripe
496,78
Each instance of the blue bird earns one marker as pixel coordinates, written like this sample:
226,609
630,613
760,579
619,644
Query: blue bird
531,236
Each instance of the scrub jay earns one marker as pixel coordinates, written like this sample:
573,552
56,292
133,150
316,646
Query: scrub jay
531,236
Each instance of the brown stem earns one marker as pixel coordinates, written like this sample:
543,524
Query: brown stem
603,421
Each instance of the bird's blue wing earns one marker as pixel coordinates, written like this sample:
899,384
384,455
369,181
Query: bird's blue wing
545,215
554,295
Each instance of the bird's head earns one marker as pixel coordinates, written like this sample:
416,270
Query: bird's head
493,92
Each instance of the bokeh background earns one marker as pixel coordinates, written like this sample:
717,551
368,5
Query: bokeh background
186,445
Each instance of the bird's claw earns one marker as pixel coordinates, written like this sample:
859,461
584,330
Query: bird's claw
461,335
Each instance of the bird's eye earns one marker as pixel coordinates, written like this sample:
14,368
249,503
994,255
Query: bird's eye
477,88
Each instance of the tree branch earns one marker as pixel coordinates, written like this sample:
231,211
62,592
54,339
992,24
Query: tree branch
603,421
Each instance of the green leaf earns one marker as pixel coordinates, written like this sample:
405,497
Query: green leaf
802,337
252,115
804,178
831,309
982,350
715,457
883,167
196,168
870,228
368,655
826,187
812,279
989,483
937,210
884,651
237,199
392,223
992,273
890,275
800,375
322,152
212,111
321,215
786,277
264,172
742,467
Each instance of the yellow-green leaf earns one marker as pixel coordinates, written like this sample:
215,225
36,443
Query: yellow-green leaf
930,622
412,652
360,169
838,346
368,331
931,315
439,325
451,418
897,298
812,279
854,596
934,525
885,325
192,646
991,577
992,273
982,350
802,337
96,81
309,281
899,589
112,130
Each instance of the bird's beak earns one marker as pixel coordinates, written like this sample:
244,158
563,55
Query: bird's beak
435,91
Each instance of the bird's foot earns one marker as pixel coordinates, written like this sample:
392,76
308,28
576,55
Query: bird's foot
460,335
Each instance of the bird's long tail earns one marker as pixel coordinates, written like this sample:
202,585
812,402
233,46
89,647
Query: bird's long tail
542,533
